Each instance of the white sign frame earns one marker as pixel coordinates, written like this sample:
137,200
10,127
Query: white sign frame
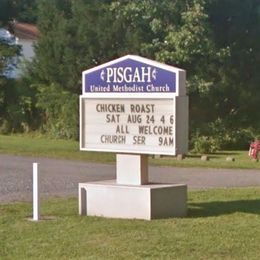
179,98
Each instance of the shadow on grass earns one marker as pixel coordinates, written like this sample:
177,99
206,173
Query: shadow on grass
226,153
217,208
214,155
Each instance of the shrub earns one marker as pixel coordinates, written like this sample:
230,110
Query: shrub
222,134
204,144
17,110
59,111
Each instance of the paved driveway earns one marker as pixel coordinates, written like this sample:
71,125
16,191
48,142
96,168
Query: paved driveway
61,177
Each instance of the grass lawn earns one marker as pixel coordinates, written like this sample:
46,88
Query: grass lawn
221,224
64,149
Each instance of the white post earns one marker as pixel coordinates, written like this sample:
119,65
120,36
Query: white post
36,214
132,169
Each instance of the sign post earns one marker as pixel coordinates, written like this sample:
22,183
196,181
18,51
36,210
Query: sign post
134,107
36,212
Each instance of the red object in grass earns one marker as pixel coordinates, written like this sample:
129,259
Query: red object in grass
254,149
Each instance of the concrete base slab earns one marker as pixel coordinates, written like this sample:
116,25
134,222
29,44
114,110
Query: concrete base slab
150,201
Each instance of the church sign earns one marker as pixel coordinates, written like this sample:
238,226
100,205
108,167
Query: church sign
134,105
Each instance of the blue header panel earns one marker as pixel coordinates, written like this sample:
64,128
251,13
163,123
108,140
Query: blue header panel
129,76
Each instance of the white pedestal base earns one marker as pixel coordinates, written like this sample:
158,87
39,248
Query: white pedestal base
109,199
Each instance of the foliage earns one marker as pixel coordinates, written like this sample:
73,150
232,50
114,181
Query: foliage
5,11
215,41
204,144
17,107
8,56
223,135
207,42
59,111
22,10
236,24
75,37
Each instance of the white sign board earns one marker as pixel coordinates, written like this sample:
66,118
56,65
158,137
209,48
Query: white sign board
130,126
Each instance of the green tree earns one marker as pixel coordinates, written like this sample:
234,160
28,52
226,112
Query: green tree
15,99
179,33
23,11
236,24
59,111
16,108
8,54
205,37
82,34
5,11
74,37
